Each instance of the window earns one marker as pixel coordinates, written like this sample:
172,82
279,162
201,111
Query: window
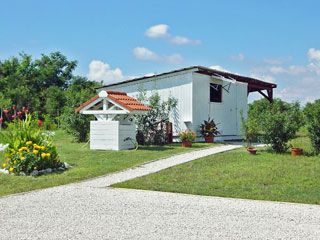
215,92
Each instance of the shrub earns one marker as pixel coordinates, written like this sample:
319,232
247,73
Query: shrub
312,113
187,136
209,128
152,125
277,122
29,148
76,124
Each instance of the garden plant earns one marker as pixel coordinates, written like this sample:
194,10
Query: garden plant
29,149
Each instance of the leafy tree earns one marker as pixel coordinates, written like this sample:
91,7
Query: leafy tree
25,82
312,113
152,126
55,101
277,122
79,91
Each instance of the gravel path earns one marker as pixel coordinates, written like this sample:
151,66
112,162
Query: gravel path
88,211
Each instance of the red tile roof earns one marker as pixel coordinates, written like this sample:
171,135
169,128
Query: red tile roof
120,98
127,102
87,103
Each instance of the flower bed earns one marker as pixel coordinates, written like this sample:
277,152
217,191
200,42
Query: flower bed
30,150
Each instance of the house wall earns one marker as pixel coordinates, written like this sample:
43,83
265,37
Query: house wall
227,113
177,85
192,90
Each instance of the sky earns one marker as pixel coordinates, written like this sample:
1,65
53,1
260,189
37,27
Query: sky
276,41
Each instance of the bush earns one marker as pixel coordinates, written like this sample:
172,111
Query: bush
277,122
29,148
152,125
187,136
76,124
312,113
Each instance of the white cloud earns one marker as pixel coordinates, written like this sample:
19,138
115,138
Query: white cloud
143,53
219,68
101,72
295,82
178,40
277,69
157,31
239,57
314,54
146,54
162,31
263,77
174,58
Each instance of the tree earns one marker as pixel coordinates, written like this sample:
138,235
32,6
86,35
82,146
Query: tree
152,126
276,122
79,91
312,113
55,101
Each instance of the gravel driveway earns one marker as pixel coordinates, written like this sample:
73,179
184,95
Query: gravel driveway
88,210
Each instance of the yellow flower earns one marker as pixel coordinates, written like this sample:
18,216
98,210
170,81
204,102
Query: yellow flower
43,155
35,152
48,154
23,149
4,165
22,158
15,162
11,169
35,168
35,146
29,143
42,148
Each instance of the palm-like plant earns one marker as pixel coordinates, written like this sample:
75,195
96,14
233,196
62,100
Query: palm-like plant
209,128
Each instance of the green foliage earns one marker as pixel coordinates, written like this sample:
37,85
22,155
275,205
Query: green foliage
78,125
29,148
250,129
209,128
55,101
277,122
153,124
312,113
187,136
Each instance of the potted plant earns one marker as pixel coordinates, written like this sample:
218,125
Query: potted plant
187,137
295,151
252,150
208,130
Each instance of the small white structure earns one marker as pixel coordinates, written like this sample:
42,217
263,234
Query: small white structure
201,93
113,129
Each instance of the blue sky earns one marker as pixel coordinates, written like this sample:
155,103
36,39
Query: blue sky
276,41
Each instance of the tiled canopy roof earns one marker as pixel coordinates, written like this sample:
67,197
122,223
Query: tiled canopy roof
121,98
127,102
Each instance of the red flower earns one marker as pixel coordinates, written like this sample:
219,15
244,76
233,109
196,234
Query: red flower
14,107
1,120
5,111
40,122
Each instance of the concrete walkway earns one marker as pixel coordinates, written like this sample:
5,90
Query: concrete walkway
88,210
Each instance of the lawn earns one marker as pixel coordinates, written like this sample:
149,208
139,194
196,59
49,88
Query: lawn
237,174
87,163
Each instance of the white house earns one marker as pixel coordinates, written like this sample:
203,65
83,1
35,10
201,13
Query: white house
201,93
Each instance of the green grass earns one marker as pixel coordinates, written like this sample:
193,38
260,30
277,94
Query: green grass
87,164
237,174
